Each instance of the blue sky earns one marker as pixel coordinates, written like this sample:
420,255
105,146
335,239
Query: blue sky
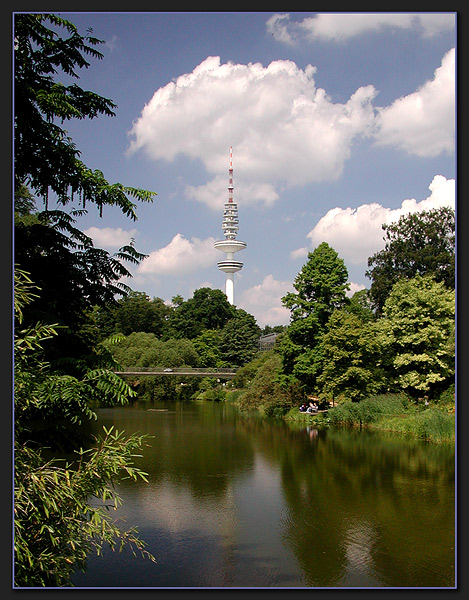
339,122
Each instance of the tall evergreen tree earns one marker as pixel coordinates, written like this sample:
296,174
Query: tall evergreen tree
321,287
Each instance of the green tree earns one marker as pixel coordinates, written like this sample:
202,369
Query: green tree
24,202
207,309
46,159
360,304
351,352
264,391
207,346
239,338
55,397
72,273
179,353
138,312
145,350
417,244
418,332
57,521
56,524
320,288
140,349
246,373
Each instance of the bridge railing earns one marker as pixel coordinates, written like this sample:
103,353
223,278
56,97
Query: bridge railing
179,369
229,372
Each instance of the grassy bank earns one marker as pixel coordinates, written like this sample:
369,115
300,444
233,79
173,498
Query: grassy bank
432,424
257,389
393,412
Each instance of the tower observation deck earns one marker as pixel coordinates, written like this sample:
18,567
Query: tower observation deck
230,244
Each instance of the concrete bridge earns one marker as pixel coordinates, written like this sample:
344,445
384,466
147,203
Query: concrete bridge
179,372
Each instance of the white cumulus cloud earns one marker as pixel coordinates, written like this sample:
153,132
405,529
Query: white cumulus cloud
356,233
423,123
340,27
214,192
109,237
283,129
299,253
180,256
265,301
279,27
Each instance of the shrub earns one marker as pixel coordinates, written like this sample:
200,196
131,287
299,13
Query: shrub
368,410
56,524
215,394
233,395
392,412
264,390
434,424
276,407
447,398
431,424
246,374
347,412
375,407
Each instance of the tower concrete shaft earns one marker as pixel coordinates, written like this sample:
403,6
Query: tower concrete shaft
230,244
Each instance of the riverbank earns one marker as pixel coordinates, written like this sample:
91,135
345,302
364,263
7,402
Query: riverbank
396,413
386,412
432,425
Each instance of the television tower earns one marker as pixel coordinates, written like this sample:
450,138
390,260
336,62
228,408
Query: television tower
230,245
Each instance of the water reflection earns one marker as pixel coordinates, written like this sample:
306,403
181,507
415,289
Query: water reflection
247,502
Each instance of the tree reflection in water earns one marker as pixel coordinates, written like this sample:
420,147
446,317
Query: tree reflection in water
236,501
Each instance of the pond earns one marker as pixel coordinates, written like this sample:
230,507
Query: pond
241,501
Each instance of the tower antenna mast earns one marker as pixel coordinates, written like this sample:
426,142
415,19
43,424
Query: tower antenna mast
230,244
